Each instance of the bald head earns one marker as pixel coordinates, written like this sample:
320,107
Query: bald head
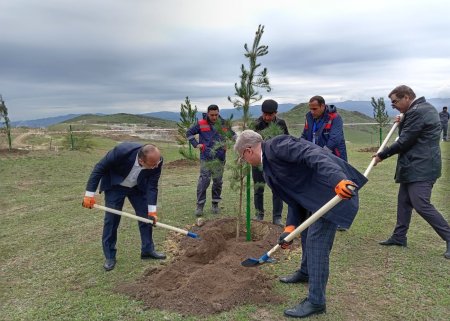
149,156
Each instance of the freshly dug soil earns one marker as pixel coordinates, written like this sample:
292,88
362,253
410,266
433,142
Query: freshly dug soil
206,275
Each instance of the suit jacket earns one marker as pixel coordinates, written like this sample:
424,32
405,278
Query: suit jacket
303,174
417,146
115,166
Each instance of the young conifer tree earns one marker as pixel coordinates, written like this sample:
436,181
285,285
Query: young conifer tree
252,78
188,118
380,115
4,115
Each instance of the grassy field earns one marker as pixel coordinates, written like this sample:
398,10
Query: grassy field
51,257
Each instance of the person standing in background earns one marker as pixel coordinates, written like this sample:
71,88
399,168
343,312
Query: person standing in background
269,111
444,116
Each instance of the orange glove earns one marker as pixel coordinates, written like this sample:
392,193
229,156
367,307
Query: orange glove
342,189
153,216
287,230
88,201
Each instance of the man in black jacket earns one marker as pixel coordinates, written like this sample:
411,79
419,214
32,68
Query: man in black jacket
269,111
418,164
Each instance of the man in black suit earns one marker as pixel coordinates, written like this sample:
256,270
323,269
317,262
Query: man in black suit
129,170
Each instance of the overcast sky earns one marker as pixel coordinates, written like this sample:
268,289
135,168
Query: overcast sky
61,56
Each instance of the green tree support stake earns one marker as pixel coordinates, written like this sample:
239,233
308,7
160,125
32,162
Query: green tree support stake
71,138
249,232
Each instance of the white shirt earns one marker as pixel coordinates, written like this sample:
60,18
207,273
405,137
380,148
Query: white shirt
131,179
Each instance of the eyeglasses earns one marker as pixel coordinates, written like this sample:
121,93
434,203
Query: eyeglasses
395,101
152,166
156,165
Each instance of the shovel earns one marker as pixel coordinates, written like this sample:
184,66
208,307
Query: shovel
266,258
145,220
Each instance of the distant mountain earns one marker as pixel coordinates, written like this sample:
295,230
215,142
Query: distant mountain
43,122
363,107
255,111
296,115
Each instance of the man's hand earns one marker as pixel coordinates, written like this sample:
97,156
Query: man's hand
153,216
201,147
342,189
88,201
287,230
377,159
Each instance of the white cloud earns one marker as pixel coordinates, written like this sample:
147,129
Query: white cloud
137,56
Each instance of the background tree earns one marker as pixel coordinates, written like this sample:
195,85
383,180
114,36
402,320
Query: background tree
247,93
188,118
4,115
380,115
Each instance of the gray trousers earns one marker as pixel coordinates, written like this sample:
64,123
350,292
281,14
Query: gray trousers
417,196
210,169
317,241
444,131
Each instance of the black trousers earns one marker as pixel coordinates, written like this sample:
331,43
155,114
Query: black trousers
416,196
258,186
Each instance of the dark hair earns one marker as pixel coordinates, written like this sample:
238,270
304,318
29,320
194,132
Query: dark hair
213,107
319,99
402,91
445,107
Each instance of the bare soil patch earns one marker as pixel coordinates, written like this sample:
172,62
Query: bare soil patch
206,276
182,163
372,149
13,152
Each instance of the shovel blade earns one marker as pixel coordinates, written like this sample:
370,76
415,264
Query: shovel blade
251,262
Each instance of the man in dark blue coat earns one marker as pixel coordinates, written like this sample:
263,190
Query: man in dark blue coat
324,127
129,170
305,176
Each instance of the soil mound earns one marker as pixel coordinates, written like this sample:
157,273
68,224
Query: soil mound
181,163
206,275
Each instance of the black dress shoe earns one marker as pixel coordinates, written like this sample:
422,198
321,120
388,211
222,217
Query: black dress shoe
305,309
297,277
109,264
153,255
390,241
447,253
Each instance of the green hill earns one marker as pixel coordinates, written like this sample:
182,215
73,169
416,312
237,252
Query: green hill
297,115
122,118
295,118
91,121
